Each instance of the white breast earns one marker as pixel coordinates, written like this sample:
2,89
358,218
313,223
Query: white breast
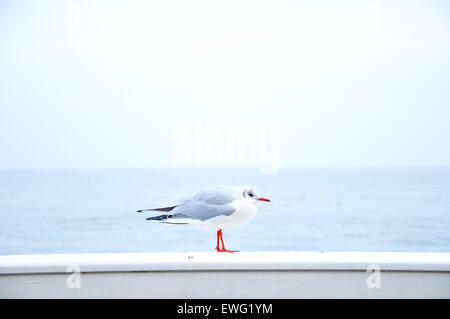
245,211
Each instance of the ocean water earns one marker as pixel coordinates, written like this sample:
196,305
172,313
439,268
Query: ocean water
94,210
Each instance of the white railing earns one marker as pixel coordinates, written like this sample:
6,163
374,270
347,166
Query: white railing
224,275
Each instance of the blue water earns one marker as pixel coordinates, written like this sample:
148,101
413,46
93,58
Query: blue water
93,210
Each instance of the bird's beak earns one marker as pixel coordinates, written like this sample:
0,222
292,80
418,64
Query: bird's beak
264,199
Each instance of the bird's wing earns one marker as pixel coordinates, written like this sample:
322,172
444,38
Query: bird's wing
201,210
218,195
212,202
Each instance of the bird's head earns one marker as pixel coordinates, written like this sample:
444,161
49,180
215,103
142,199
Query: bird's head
251,194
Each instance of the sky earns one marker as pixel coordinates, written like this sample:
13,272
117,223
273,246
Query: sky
224,83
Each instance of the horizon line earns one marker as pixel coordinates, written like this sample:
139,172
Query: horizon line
221,167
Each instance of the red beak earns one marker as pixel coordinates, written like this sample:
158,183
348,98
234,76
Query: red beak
264,199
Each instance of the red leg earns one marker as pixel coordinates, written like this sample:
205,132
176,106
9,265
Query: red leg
223,250
217,246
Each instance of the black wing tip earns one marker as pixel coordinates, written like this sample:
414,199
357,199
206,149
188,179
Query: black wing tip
158,218
164,209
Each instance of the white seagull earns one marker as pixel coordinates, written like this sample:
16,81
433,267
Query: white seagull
218,207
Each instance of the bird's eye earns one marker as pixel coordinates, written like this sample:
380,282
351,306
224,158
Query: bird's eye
250,194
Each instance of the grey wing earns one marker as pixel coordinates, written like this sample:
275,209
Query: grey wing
218,195
201,210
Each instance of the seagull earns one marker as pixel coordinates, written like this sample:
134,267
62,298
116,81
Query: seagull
218,207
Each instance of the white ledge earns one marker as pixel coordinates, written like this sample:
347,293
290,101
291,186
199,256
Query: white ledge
210,261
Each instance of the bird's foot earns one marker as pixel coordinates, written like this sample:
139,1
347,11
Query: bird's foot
224,250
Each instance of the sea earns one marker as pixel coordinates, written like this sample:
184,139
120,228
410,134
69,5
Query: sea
60,211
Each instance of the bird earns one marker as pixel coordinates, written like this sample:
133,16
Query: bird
217,207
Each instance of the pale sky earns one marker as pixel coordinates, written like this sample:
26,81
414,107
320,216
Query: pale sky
113,83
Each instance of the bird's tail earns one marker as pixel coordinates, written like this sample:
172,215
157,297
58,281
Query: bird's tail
160,218
170,219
